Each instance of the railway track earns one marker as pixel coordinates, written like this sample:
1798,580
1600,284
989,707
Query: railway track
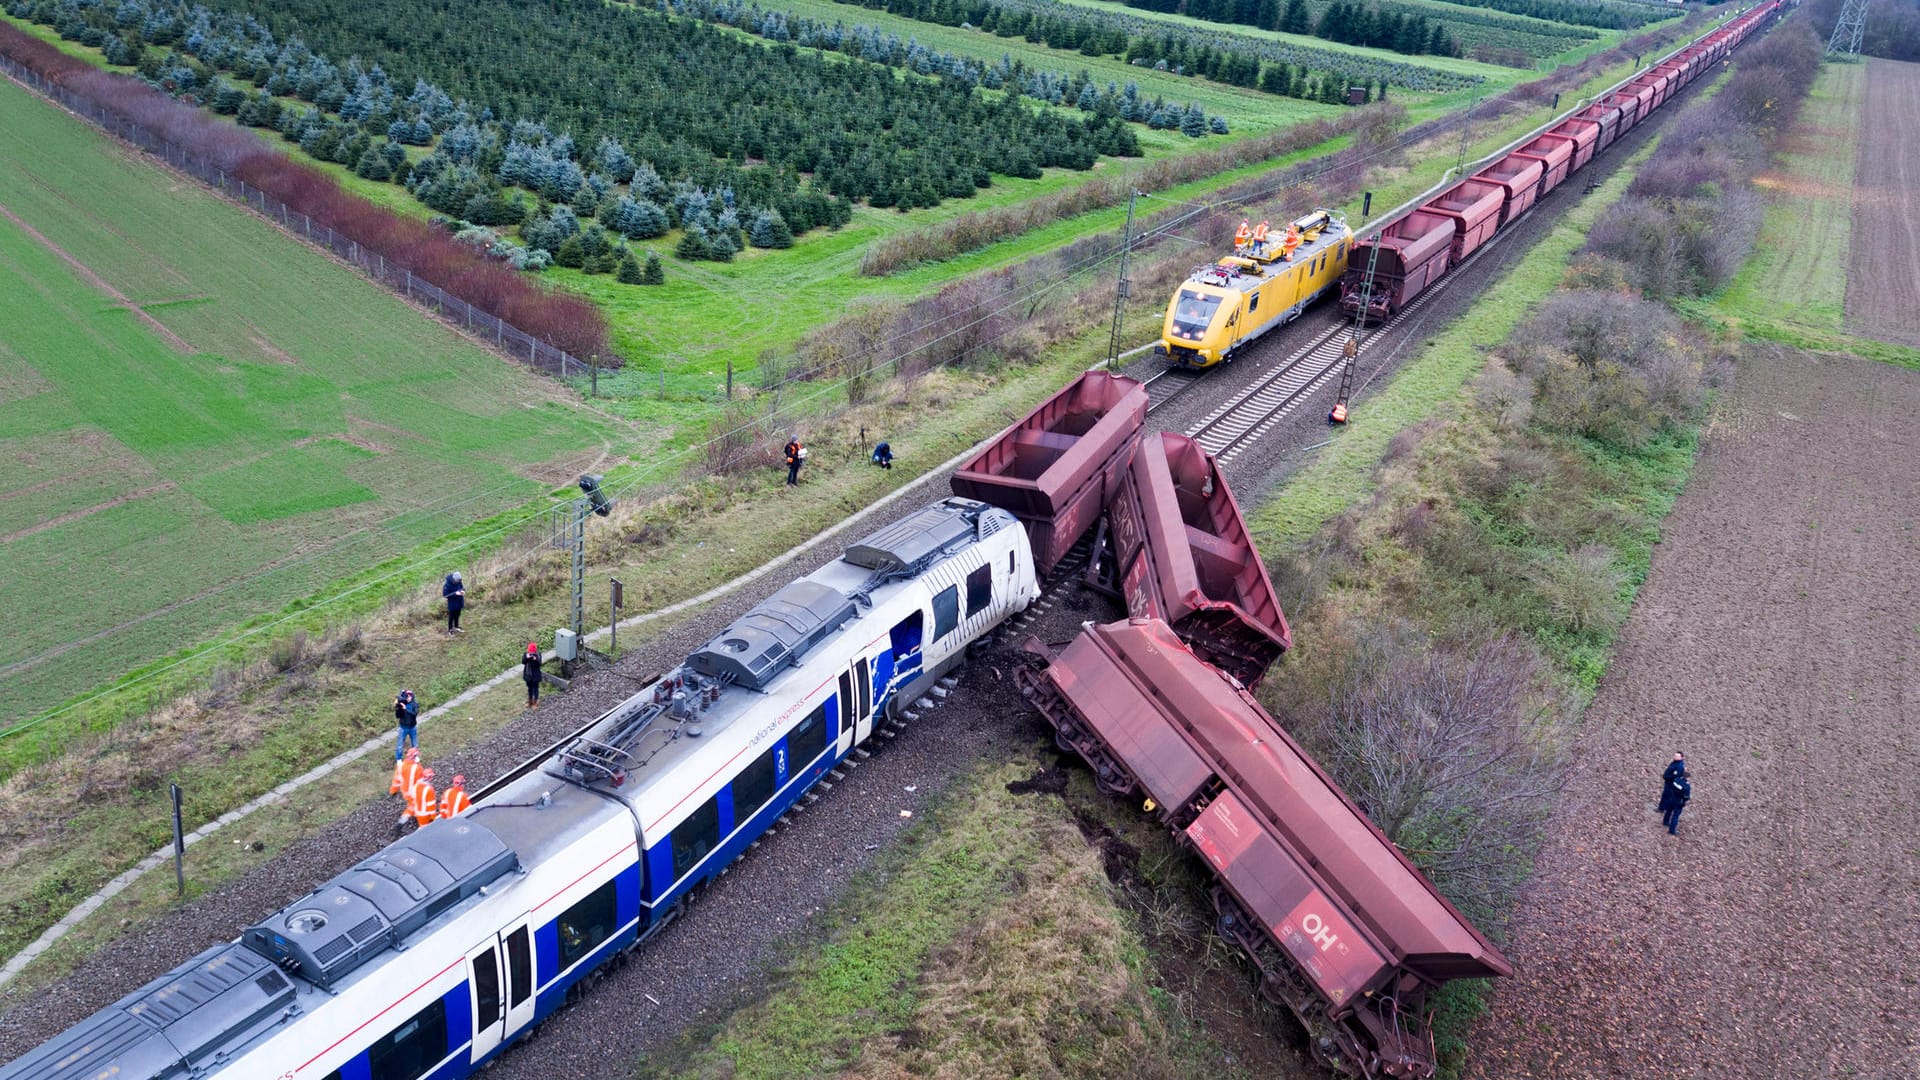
1169,383
1247,416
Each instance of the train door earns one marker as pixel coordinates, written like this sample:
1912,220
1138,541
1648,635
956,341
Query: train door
500,988
856,702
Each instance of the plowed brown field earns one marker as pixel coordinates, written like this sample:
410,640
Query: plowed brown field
1883,280
1776,643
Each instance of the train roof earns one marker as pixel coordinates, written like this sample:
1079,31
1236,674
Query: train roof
1241,273
635,750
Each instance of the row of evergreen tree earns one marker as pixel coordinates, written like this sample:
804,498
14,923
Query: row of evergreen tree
1222,55
1344,22
858,130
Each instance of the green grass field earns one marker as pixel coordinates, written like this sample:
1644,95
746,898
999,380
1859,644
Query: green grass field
203,419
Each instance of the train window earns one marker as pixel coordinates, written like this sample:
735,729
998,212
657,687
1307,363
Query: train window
519,967
905,636
1253,303
1341,250
979,590
486,990
411,1050
586,924
946,611
695,837
805,742
753,787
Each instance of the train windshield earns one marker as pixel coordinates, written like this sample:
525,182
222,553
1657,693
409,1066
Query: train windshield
1191,314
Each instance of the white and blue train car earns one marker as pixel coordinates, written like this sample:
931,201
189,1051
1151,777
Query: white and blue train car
425,959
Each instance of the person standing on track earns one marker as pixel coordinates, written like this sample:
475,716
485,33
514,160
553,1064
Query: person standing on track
423,804
1673,799
530,672
795,455
407,712
405,771
455,800
455,592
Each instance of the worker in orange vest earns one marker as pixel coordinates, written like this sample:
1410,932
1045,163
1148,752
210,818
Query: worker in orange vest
423,805
405,772
1241,235
1288,242
455,800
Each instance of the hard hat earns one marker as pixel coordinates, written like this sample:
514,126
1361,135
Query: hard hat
533,648
426,773
413,753
459,781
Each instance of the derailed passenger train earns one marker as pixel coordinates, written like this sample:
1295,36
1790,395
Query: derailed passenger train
427,958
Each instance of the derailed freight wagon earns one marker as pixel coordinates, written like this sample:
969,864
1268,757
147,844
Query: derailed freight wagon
1344,930
1056,467
1175,547
1412,255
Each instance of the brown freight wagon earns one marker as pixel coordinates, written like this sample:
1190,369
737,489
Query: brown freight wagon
1413,255
1054,470
1518,175
1474,207
1345,930
1176,548
1555,155
1608,119
1629,105
1586,139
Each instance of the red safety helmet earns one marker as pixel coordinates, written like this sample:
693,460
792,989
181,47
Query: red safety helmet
426,774
533,648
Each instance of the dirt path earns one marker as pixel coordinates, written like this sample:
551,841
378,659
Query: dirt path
1883,280
1776,643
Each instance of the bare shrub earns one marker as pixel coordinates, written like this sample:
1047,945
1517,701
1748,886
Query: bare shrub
1596,272
1581,588
289,653
1504,395
1451,749
1611,367
736,440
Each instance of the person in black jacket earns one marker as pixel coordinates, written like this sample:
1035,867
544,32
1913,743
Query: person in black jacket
795,455
1674,799
455,592
530,672
406,712
1674,768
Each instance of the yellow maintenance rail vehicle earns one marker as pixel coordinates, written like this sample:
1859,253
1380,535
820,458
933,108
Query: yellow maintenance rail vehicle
1268,281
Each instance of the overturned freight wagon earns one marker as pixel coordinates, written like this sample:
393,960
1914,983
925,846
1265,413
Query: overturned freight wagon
1055,468
1174,545
1343,928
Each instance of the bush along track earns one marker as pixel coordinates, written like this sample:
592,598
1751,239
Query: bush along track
1453,625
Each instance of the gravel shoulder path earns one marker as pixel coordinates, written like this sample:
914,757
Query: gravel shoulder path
1774,643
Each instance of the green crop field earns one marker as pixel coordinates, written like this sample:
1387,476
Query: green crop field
202,419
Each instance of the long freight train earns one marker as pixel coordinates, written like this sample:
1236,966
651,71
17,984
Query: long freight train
1396,263
427,958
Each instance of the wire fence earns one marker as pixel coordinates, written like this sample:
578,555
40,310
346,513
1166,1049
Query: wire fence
508,338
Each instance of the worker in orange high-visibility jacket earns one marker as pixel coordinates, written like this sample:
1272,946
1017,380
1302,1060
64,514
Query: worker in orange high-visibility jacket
423,803
405,772
455,800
